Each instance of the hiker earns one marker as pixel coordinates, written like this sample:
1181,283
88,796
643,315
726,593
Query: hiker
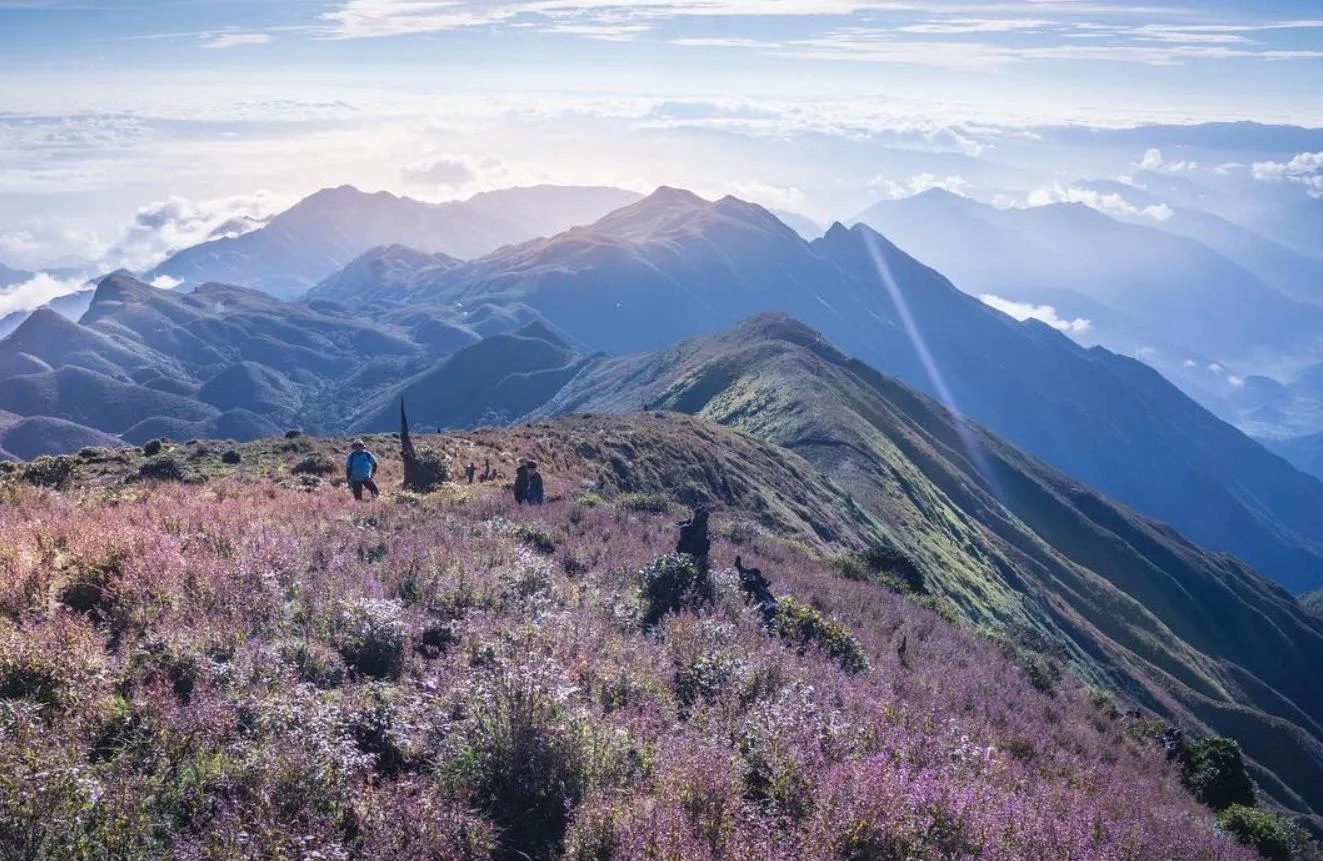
470,471
521,483
487,471
360,469
536,494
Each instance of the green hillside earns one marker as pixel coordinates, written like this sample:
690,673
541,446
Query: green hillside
1014,545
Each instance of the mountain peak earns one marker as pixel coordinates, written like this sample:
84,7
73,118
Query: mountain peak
120,286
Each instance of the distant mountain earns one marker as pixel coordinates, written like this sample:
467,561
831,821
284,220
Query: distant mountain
72,306
325,232
1294,274
1012,542
490,383
12,277
1313,602
28,438
1305,453
1179,291
545,210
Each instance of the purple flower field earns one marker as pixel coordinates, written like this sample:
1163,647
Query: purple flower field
257,671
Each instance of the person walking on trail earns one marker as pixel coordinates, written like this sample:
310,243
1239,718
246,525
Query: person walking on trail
536,494
521,483
470,471
360,470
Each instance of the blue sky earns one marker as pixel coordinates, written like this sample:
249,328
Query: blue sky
222,106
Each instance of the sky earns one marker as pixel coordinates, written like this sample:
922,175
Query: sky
129,127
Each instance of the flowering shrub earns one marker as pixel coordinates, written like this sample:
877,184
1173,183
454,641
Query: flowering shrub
672,583
250,671
799,624
372,638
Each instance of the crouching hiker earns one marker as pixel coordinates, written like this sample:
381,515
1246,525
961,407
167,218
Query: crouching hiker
360,470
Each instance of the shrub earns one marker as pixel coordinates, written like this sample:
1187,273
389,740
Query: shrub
154,447
315,464
1272,836
163,468
372,638
91,589
884,565
523,758
293,434
316,664
673,583
93,453
645,503
427,471
536,537
590,500
232,457
803,627
1214,771
53,472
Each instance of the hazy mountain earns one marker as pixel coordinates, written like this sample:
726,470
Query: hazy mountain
1180,290
545,210
489,383
1296,275
1303,452
72,306
1012,542
27,438
326,231
12,277
1313,602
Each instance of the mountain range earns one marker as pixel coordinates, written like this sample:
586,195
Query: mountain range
671,266
324,232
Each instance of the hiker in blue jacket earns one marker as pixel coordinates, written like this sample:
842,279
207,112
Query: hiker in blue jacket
360,469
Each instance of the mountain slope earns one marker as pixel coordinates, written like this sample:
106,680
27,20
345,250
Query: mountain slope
1010,541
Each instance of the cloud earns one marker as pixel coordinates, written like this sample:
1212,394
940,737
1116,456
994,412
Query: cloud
34,293
764,194
162,228
221,41
446,171
1043,313
1305,169
1154,162
919,184
154,232
1112,204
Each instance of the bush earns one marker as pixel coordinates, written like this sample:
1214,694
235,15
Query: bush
316,664
93,453
232,457
646,503
373,638
154,447
590,499
884,565
1214,771
673,583
53,472
164,468
427,471
536,537
293,434
800,625
523,758
1272,836
315,464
